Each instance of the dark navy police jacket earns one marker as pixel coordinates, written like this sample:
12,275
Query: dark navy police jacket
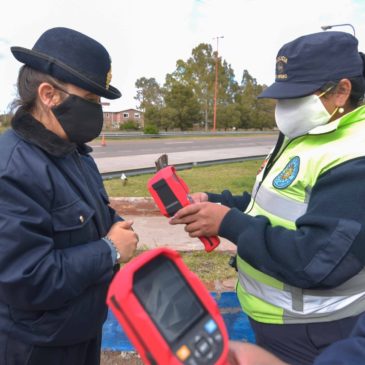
54,267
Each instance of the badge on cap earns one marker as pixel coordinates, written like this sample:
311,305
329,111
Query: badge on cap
281,61
108,78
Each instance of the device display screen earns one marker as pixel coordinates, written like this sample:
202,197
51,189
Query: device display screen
167,197
167,298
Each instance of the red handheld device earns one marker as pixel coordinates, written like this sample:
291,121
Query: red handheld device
171,193
166,311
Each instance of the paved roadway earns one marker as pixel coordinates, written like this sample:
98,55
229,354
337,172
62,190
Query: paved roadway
124,155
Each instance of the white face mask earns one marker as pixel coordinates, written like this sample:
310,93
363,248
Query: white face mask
296,117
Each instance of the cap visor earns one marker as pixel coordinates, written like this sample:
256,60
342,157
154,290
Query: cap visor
285,90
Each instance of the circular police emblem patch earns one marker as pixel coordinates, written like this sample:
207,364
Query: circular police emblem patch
288,175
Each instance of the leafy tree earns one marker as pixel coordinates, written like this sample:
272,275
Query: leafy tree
182,106
228,116
198,72
149,93
160,117
5,120
255,113
152,116
193,83
168,116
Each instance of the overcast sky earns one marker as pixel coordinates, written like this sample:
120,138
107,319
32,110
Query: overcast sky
145,38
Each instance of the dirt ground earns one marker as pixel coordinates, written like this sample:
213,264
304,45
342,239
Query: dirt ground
120,358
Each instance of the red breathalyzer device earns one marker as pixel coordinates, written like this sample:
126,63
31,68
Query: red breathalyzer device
171,193
166,311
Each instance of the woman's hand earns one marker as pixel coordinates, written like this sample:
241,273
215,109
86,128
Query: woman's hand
124,239
201,219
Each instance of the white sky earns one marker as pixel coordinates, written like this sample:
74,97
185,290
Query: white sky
145,38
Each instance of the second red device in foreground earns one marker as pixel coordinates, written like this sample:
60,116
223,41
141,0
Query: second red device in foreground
167,313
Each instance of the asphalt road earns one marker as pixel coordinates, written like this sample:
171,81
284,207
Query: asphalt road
115,148
118,156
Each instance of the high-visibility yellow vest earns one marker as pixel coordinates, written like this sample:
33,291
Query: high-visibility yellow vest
283,197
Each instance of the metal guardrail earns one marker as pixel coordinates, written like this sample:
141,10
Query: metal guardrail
118,134
181,166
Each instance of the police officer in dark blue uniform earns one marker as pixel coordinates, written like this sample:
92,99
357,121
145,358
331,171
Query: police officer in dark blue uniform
60,240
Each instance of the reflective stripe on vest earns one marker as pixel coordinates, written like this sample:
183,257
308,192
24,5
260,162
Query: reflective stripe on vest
280,206
264,298
301,305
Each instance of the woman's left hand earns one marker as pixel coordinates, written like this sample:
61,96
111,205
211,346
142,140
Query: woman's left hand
201,219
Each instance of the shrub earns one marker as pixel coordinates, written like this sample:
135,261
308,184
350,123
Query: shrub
150,129
129,125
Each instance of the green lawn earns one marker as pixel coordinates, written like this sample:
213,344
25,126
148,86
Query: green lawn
236,177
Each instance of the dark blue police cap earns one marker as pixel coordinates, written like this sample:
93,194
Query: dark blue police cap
307,63
72,57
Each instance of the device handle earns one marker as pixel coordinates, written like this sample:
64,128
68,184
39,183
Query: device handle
210,243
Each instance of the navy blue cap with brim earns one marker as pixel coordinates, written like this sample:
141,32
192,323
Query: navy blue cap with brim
72,57
304,65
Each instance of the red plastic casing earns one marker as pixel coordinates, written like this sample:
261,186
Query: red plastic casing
179,194
136,322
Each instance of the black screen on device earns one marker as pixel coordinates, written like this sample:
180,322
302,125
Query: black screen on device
167,297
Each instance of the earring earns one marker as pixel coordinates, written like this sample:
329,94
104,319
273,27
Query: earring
341,110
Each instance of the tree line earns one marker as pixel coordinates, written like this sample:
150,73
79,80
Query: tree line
186,99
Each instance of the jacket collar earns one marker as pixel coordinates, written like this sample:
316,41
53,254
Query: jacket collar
34,132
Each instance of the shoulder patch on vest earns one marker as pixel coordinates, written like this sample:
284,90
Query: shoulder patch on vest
288,175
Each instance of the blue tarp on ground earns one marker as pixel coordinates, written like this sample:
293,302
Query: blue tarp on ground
236,321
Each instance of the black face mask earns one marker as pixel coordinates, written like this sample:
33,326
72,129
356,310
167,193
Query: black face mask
81,119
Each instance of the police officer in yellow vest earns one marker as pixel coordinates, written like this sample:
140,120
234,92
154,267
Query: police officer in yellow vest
300,235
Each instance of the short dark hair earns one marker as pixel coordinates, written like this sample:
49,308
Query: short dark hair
357,89
27,86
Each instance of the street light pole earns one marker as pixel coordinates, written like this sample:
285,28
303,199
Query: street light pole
216,87
326,27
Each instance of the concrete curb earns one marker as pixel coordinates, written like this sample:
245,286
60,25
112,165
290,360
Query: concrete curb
135,206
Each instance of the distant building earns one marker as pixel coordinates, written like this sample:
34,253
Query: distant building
114,119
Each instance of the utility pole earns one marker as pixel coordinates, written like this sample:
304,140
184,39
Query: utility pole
216,86
326,27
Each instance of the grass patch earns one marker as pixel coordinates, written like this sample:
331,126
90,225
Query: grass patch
236,177
208,266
